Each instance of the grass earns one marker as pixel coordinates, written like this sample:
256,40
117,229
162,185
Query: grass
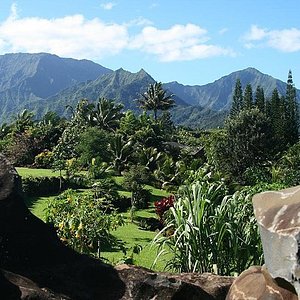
37,205
26,172
133,236
130,234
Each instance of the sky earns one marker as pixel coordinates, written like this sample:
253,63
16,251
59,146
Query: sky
193,42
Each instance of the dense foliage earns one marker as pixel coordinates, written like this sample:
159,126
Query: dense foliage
84,221
212,174
208,231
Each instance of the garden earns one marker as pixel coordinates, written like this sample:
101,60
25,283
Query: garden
134,188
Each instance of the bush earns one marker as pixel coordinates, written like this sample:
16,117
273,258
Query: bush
40,186
141,198
44,159
163,205
83,221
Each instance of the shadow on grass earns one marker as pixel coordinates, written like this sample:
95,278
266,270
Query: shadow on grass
30,201
146,240
116,245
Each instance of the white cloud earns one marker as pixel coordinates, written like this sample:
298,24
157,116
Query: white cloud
140,21
108,5
68,36
78,37
286,40
180,42
223,30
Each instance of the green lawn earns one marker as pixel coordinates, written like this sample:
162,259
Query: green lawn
37,205
130,234
26,172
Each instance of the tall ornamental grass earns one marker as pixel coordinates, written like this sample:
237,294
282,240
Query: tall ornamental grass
207,231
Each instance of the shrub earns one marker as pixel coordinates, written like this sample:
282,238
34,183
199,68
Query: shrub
163,205
108,189
83,221
44,159
39,186
44,185
141,198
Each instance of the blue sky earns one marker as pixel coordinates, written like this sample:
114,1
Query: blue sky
190,41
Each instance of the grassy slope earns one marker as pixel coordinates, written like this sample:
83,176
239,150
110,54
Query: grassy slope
130,233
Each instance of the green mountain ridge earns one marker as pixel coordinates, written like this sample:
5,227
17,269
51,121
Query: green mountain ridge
43,82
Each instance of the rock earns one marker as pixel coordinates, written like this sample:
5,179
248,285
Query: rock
257,283
34,264
144,284
278,216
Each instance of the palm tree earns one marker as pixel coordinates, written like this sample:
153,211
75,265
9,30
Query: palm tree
120,150
82,114
107,114
23,121
155,98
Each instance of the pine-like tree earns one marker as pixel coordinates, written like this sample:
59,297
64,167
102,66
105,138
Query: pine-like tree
276,111
248,97
259,100
237,100
292,114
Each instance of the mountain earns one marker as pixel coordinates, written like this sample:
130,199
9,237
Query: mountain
122,86
29,77
43,82
217,96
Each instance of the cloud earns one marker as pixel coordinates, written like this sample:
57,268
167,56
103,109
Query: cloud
78,37
178,43
68,36
108,5
285,40
140,21
223,30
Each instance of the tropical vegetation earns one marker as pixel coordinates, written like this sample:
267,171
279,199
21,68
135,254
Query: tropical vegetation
109,161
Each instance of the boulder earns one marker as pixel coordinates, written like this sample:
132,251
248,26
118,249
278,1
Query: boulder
35,264
257,283
144,284
278,217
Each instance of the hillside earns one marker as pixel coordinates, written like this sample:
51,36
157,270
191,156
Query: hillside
218,95
29,77
43,82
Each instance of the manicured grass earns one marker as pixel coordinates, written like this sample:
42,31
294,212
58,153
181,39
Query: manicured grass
26,172
132,236
37,205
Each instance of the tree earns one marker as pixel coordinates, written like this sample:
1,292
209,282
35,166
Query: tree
129,123
156,98
120,150
246,143
259,101
292,117
23,121
107,114
82,115
237,100
248,97
93,143
276,111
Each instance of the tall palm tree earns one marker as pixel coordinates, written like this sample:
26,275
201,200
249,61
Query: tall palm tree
156,98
